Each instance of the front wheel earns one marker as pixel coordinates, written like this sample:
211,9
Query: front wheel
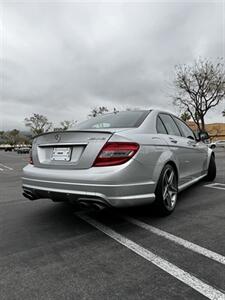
166,191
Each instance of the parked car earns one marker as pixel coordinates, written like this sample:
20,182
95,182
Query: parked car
119,160
220,143
8,149
23,150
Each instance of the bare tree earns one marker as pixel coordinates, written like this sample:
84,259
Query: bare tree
199,87
12,137
185,116
98,111
64,125
115,111
38,124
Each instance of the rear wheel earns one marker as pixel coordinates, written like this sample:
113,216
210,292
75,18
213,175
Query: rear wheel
166,191
211,175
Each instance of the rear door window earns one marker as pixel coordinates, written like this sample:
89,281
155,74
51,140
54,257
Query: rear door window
186,131
170,124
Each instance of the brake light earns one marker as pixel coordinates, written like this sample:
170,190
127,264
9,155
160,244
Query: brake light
115,153
30,158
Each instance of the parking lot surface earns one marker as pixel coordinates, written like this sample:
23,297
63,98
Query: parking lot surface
57,251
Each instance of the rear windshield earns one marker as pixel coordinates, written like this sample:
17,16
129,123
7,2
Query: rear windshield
124,119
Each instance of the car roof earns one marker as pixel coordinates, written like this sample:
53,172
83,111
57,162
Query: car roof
156,110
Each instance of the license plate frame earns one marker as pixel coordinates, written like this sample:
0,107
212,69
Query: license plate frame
61,154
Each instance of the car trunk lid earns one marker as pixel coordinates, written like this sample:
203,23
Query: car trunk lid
74,149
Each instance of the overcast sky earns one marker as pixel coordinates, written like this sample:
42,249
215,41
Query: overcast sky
61,58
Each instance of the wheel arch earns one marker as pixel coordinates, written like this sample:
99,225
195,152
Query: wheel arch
210,154
172,163
168,162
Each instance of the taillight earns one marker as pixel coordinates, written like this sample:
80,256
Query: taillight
30,158
115,153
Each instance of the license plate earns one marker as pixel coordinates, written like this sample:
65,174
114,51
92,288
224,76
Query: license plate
61,154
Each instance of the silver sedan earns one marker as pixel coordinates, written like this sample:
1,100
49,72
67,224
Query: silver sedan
120,159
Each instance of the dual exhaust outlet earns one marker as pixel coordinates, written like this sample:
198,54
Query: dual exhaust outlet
29,195
81,201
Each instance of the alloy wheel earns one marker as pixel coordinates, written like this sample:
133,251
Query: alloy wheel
169,188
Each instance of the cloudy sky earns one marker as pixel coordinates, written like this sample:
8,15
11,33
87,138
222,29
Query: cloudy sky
61,58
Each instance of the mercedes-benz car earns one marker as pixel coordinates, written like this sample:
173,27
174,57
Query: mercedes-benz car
118,160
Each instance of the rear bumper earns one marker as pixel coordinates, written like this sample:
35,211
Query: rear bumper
87,186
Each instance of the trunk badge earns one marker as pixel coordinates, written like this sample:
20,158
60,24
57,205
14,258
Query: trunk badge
96,139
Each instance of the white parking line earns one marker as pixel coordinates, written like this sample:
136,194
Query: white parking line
9,168
219,186
1,169
190,280
189,245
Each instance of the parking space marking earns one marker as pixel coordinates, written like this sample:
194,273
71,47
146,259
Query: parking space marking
189,245
218,186
185,277
1,169
9,168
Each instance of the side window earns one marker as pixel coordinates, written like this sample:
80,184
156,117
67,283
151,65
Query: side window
170,125
160,127
186,131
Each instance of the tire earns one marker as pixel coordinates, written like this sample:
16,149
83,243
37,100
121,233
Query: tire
166,191
213,147
211,175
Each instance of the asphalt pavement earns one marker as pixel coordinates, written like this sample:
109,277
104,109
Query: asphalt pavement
56,251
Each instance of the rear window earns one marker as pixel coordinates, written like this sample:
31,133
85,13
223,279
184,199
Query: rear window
124,119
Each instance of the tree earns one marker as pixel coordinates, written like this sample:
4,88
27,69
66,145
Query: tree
96,111
12,137
115,111
198,88
2,135
101,110
64,125
185,116
38,124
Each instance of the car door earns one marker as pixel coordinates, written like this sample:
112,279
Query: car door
183,149
197,150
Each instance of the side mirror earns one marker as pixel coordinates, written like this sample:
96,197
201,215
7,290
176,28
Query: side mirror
203,136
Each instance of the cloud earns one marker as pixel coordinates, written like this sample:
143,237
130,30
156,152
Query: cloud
63,58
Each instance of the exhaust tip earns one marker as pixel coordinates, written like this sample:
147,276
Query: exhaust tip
29,195
90,203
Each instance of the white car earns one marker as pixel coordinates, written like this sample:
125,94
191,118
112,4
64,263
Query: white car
220,143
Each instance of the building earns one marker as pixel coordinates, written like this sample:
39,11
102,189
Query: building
215,130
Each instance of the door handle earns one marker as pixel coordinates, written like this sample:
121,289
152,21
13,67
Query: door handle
173,141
